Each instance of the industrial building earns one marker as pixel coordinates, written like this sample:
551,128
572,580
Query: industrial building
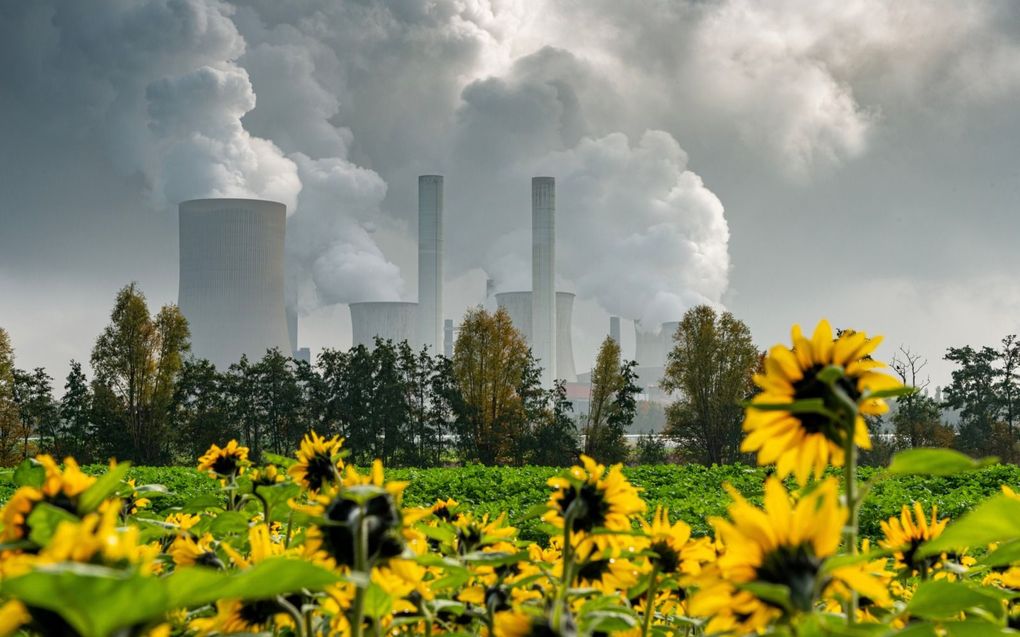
518,306
231,278
389,320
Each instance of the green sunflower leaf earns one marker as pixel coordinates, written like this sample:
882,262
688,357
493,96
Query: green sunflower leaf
103,488
892,392
44,520
189,587
29,474
96,601
997,519
940,599
935,462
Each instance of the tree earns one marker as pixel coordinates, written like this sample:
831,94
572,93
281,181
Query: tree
650,449
491,363
711,367
552,441
426,413
917,420
279,399
76,437
139,358
974,392
33,391
612,405
200,415
12,430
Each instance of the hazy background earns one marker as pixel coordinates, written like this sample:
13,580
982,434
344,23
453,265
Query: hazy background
853,159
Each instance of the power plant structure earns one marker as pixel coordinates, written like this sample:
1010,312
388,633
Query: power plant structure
519,306
430,262
389,320
543,276
232,276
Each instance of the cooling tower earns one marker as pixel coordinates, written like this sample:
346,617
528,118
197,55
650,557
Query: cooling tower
518,306
292,327
666,338
448,338
648,351
564,337
543,275
389,320
231,278
430,261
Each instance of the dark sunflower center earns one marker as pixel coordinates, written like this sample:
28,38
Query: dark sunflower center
225,465
810,387
320,471
668,560
591,508
259,612
381,521
443,513
468,539
593,571
795,568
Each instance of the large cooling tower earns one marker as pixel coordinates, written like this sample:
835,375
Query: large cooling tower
543,275
652,350
231,278
389,320
430,261
518,306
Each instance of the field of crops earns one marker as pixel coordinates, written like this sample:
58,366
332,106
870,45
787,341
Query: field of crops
691,492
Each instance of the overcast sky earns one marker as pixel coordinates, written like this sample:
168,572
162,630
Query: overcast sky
786,160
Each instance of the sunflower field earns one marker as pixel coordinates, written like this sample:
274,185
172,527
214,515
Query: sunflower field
308,545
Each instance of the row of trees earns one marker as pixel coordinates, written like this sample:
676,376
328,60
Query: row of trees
151,402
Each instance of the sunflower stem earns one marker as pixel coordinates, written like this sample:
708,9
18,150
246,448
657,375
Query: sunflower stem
852,502
650,600
568,559
360,566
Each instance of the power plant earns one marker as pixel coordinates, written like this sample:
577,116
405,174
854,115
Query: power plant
232,288
389,320
231,278
430,262
519,306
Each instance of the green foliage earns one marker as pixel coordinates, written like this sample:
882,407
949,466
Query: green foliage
691,492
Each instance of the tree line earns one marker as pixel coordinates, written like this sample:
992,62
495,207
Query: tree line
153,403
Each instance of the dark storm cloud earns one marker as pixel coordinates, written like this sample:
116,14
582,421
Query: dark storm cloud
864,152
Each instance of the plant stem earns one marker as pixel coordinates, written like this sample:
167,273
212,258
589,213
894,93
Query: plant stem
852,502
650,600
360,566
567,558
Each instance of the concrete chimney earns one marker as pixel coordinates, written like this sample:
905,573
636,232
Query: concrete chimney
430,261
614,329
543,275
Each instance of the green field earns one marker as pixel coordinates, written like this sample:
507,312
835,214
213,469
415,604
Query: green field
692,492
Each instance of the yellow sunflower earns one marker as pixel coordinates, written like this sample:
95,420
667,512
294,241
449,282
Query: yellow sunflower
805,443
13,615
906,533
14,515
235,616
595,497
784,544
672,545
516,623
319,462
188,550
226,462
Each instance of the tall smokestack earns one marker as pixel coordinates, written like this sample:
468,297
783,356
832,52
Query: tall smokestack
614,329
543,275
430,261
231,278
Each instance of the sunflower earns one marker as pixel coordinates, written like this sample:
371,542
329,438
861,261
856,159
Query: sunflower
906,533
188,550
235,616
481,534
267,476
785,545
604,570
226,462
260,547
516,623
14,515
319,462
594,497
98,539
672,545
805,443
13,615
131,501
